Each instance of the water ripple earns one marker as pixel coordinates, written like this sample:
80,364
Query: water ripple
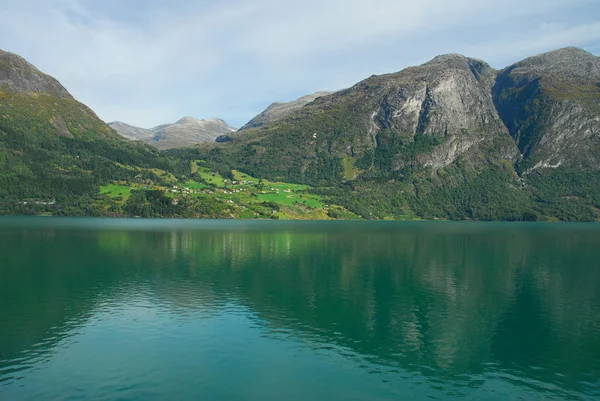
456,313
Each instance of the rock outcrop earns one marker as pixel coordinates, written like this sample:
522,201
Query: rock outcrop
448,98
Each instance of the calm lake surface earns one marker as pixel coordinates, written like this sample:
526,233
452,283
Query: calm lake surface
239,310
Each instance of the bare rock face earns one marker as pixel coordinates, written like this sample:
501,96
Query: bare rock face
186,132
543,112
425,116
17,75
448,98
131,132
551,105
277,111
189,131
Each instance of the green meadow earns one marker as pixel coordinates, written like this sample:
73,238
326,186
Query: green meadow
114,190
245,196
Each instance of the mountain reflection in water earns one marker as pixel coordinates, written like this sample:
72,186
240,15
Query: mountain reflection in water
450,310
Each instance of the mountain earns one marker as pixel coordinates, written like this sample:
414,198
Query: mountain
25,92
18,76
551,106
131,132
277,111
424,116
189,131
58,158
55,150
452,138
185,132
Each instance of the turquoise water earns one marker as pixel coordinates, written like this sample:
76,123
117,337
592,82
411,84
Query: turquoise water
239,310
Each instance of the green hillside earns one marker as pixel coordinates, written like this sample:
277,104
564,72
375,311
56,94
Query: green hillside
56,150
451,139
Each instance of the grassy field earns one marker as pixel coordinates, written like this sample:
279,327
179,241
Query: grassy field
350,171
211,177
239,176
284,198
246,196
196,165
114,190
282,186
282,193
170,178
195,185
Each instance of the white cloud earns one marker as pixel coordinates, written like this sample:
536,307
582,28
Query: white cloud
230,58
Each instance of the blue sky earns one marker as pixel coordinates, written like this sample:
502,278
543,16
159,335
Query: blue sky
148,62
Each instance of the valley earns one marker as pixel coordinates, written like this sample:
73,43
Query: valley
451,139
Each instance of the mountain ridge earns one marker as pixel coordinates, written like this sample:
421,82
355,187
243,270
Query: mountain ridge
451,139
278,110
567,65
55,152
415,101
19,76
185,132
551,103
432,133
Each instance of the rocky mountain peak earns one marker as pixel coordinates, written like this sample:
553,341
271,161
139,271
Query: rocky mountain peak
480,69
549,103
279,110
215,120
449,58
131,132
18,75
185,132
187,120
569,63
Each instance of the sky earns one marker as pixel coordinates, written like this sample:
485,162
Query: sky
149,62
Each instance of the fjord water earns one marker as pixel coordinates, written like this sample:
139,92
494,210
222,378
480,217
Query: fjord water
240,310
